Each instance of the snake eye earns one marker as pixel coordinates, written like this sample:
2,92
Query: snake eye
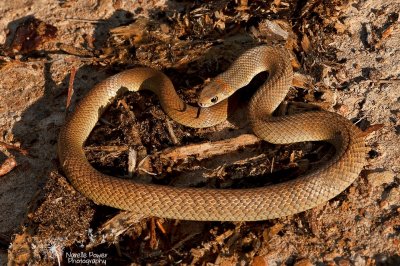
214,99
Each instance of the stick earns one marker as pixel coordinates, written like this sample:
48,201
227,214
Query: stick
200,151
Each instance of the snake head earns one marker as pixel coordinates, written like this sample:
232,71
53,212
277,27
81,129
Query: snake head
211,94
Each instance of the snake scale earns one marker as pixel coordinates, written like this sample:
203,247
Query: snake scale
251,204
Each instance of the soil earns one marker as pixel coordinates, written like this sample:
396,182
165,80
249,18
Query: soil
346,57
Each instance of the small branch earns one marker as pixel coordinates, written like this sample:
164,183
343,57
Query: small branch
107,148
172,133
14,147
153,235
132,160
70,87
388,81
272,164
94,21
200,151
116,226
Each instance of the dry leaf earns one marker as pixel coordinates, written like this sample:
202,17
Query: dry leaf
272,231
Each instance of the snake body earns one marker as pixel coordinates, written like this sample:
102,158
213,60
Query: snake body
262,203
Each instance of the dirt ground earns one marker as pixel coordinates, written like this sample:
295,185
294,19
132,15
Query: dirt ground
346,57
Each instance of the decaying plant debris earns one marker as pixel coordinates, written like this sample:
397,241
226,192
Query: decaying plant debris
339,67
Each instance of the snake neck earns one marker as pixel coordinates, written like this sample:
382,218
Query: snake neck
272,92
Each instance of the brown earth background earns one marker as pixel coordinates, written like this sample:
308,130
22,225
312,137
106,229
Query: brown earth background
346,57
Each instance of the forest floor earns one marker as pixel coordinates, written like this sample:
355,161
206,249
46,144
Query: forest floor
346,58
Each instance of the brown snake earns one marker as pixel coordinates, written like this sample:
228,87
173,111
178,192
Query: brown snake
262,203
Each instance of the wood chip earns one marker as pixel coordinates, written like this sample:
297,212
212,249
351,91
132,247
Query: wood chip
306,44
272,231
8,165
114,227
172,133
132,161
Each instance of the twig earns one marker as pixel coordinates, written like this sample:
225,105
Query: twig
14,147
200,151
161,227
385,81
272,164
146,171
153,235
208,149
70,87
359,120
172,133
76,51
106,122
114,227
184,240
132,160
107,148
118,248
94,21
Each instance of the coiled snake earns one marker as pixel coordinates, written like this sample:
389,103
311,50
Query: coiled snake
261,203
